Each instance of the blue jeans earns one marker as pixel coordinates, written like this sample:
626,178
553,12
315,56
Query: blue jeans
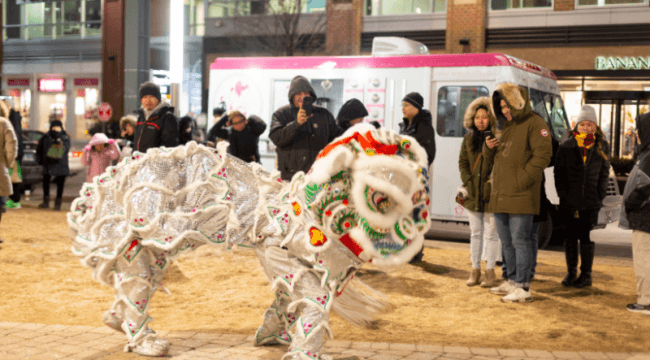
514,231
534,238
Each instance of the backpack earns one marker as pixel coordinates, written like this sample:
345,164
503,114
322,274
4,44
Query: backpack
55,153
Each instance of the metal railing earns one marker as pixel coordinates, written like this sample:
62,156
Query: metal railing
63,30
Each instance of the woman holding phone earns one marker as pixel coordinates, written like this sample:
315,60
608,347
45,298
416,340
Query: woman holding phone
475,193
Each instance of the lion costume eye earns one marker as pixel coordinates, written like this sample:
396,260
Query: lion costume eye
377,201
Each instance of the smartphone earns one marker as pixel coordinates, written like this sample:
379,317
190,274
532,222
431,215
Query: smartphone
307,102
487,134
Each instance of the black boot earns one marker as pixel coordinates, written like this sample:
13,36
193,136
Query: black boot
587,252
57,204
571,254
418,257
46,203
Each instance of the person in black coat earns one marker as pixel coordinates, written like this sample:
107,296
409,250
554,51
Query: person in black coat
16,119
243,135
417,124
54,169
187,130
351,113
157,125
298,137
581,176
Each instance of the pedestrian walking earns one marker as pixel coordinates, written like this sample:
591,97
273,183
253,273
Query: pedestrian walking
520,157
635,214
98,154
52,154
9,146
299,136
243,134
581,177
157,125
475,173
417,124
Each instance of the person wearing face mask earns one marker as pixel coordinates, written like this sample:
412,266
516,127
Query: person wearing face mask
520,157
299,137
581,175
52,154
475,173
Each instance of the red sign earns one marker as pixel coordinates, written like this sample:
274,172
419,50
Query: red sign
86,82
105,111
18,82
81,92
51,85
14,93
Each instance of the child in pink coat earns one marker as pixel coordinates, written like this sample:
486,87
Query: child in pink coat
98,155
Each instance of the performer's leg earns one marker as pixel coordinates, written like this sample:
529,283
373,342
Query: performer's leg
135,287
312,325
277,321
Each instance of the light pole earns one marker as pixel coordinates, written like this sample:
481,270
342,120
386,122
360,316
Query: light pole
176,36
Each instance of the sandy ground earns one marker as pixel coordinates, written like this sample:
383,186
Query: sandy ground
41,281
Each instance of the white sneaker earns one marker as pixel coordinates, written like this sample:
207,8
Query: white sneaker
518,296
505,288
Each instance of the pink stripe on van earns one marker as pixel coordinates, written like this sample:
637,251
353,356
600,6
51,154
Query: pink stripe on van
376,62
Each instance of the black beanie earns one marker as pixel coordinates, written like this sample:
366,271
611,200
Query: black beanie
352,109
414,99
218,111
149,88
54,123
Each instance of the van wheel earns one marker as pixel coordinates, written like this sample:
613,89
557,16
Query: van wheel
545,232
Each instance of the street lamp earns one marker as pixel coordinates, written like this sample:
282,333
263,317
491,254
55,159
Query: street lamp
176,35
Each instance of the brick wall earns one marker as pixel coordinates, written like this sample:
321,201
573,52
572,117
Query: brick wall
465,19
344,25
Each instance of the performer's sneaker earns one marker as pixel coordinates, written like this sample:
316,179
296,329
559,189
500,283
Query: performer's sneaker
518,296
151,345
505,288
113,321
638,308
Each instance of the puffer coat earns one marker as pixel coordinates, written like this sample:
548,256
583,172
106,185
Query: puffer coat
421,129
524,151
9,146
581,185
635,211
474,169
53,167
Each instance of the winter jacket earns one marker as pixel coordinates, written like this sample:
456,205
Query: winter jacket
635,213
9,146
159,128
16,121
186,130
421,129
581,185
524,151
298,145
98,161
352,109
52,167
243,144
474,169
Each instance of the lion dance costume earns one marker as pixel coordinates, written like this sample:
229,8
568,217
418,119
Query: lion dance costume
364,200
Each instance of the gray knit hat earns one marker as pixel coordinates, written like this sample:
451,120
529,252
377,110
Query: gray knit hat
587,113
149,88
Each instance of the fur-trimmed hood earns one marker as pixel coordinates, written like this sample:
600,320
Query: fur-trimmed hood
517,99
128,119
468,119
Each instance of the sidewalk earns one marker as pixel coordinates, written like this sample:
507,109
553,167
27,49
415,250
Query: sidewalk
20,341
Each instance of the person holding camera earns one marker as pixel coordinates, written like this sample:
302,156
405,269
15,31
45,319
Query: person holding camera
474,195
300,130
243,134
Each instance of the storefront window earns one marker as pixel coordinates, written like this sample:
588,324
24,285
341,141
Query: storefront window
608,2
51,19
401,7
519,4
85,111
196,13
21,100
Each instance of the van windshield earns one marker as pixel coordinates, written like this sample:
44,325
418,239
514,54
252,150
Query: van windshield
551,108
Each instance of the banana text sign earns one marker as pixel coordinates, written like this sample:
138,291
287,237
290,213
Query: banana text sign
623,63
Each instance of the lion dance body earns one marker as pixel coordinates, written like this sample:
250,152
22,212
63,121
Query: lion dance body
364,200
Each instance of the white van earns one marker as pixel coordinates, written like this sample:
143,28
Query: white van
448,83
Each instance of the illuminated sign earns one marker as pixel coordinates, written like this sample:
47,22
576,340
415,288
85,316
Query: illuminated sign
86,82
623,63
51,85
18,82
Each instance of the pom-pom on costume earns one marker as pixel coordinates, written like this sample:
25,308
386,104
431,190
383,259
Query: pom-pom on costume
364,200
